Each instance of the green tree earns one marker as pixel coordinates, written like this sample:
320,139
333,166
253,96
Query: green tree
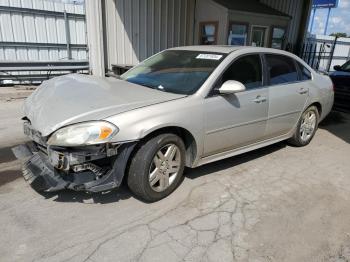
339,34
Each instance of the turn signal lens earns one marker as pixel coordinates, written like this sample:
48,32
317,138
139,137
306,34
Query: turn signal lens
105,132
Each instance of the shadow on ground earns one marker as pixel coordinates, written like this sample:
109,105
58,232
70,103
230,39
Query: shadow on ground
6,155
233,161
338,124
123,192
67,196
8,176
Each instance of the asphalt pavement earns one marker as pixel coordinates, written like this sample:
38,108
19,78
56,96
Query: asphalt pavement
280,203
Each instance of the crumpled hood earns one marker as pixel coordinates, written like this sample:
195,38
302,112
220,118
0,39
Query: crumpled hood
76,98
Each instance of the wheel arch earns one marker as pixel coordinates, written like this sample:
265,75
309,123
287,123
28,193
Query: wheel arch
318,106
187,137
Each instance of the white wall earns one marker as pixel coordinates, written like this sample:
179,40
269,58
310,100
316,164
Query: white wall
96,45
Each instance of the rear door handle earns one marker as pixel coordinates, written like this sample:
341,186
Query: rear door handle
260,99
303,91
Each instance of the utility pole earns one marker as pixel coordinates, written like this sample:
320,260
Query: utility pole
312,19
326,27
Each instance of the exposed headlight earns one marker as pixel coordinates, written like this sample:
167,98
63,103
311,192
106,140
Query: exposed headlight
88,133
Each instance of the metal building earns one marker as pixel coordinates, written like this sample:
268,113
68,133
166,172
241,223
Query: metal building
40,36
123,32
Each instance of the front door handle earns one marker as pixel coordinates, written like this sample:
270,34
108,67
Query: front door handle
303,91
260,99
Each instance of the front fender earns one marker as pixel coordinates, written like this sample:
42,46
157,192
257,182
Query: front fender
186,113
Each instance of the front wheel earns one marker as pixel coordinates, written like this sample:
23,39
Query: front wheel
306,128
157,167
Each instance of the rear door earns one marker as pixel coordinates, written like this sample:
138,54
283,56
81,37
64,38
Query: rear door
287,94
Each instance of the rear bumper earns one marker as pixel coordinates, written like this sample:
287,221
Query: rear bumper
43,176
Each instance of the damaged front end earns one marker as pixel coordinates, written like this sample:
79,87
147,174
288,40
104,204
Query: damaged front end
90,168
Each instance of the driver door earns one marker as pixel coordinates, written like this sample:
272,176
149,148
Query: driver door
239,119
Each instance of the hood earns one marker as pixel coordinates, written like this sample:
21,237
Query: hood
76,98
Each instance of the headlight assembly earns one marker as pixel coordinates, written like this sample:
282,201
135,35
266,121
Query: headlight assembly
88,133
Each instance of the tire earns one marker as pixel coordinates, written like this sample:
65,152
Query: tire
149,166
299,138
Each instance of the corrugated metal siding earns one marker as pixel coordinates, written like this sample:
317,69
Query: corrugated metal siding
23,27
137,29
293,8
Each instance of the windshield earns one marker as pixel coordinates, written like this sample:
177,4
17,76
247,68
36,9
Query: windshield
175,71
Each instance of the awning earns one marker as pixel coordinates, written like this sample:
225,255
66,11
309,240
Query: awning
251,6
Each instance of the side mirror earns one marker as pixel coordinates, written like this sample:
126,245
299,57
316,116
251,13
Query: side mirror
231,87
337,68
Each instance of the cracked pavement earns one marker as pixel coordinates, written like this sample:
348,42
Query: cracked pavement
280,203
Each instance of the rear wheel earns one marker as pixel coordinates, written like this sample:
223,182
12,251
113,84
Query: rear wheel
157,167
306,128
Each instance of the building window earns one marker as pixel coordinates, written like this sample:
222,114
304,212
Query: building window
278,37
208,33
238,34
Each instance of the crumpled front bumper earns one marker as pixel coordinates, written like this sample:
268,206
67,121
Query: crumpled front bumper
43,176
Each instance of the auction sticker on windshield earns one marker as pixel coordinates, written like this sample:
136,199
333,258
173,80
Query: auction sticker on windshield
209,56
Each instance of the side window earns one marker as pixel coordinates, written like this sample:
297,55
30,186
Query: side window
247,70
281,69
305,73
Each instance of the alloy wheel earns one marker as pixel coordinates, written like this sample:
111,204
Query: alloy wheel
308,125
164,167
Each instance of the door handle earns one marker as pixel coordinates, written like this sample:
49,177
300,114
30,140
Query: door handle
260,99
303,91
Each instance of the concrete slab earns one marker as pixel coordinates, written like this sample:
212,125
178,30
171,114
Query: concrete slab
8,93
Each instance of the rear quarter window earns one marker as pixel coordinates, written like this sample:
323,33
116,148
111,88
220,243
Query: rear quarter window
305,73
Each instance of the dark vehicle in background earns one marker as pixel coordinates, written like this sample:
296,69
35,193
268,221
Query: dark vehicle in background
341,81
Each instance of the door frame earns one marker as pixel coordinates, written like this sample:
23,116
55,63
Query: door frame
266,44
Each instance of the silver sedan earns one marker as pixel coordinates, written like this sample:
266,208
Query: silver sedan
183,107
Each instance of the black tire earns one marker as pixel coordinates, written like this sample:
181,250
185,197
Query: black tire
296,139
139,169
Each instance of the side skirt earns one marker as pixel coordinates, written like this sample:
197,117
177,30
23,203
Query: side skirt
242,150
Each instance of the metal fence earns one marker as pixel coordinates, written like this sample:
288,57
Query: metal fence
324,52
38,32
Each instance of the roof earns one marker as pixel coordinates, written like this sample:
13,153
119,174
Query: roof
226,49
251,6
